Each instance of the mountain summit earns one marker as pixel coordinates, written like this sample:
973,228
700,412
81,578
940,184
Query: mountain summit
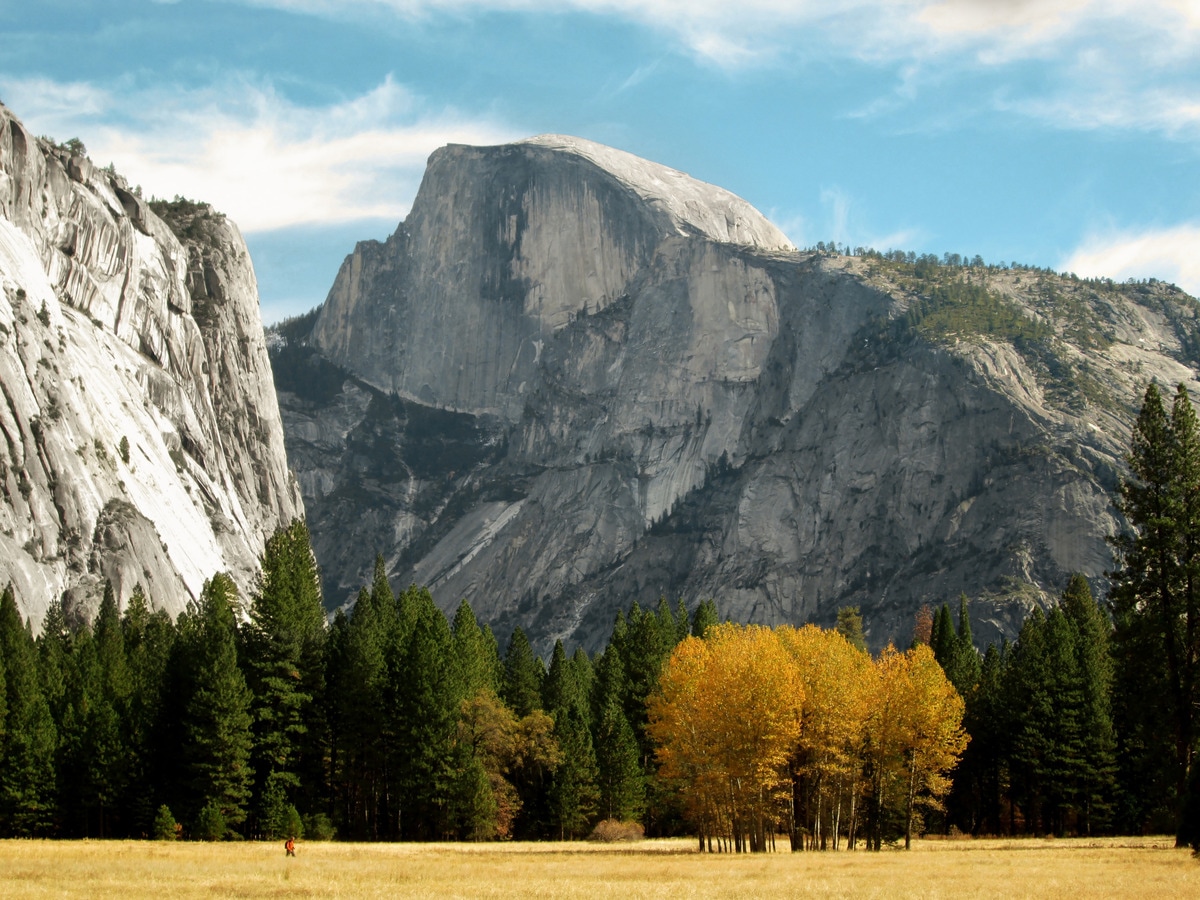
572,379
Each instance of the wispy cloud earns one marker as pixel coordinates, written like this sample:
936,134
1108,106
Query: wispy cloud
840,220
741,33
1171,254
1115,64
266,161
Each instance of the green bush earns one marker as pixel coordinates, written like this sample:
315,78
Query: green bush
293,826
318,827
210,824
165,826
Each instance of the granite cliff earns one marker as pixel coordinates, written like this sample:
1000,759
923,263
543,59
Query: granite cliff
573,378
142,437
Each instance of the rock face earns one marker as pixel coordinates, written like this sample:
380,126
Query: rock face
142,437
572,379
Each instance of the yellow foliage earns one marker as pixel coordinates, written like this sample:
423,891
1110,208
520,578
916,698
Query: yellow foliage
726,719
761,727
837,695
914,733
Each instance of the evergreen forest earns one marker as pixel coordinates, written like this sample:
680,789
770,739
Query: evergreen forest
258,718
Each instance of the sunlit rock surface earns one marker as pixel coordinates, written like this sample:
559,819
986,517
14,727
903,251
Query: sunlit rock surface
142,438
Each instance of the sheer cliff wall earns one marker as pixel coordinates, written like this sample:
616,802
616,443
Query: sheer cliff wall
142,441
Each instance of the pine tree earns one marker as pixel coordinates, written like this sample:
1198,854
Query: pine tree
943,641
573,793
618,758
704,618
358,688
966,662
584,674
955,649
3,709
1047,690
521,688
27,774
979,782
149,637
682,620
668,627
94,762
54,647
1156,590
285,650
216,722
643,654
562,689
850,626
1094,659
474,654
426,712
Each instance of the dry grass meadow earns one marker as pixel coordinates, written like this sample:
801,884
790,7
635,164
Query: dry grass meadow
1074,868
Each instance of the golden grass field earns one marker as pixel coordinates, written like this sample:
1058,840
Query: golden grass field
1075,868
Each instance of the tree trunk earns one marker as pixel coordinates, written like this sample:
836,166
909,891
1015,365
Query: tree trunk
908,811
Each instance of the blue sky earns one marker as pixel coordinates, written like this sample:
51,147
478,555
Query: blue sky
1062,133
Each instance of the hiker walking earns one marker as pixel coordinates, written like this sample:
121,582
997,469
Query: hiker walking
290,846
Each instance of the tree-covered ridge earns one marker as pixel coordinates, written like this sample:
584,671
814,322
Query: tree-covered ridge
189,220
1063,326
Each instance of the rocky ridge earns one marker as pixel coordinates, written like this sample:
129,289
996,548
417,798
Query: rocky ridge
142,437
572,379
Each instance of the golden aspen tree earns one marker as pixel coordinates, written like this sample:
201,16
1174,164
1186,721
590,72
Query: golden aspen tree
726,718
826,767
935,737
913,737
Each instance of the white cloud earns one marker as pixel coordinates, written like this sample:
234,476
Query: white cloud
1169,254
265,161
840,221
1111,64
748,31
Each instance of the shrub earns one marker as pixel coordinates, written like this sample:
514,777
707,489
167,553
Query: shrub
611,831
293,827
210,824
318,827
165,826
123,449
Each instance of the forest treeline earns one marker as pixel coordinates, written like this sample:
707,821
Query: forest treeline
254,717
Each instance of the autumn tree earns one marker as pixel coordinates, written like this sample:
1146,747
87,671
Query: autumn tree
726,718
913,737
825,765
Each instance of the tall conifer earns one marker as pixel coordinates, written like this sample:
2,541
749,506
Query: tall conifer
1156,589
215,753
27,775
1094,656
285,643
521,688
